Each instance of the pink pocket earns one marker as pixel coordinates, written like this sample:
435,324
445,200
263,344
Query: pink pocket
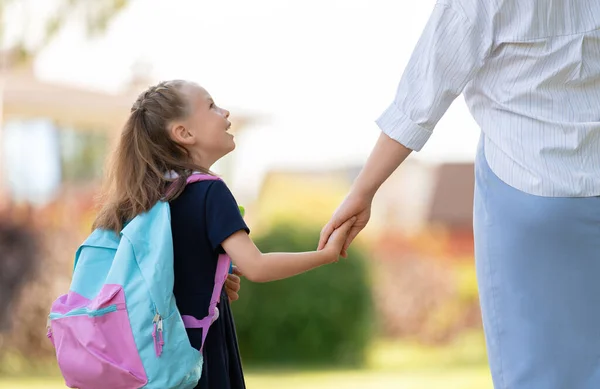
94,344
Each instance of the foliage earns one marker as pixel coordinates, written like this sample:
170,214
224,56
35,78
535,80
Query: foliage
320,317
96,16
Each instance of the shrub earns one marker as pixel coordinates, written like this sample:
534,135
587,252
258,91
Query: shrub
322,317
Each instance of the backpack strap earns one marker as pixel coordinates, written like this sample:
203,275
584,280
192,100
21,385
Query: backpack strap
213,311
195,177
223,267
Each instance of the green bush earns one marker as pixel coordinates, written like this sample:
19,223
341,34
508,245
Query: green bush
322,317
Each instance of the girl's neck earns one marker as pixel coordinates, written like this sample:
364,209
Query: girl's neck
205,163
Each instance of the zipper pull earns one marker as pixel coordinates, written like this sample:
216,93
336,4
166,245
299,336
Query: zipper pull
159,342
49,334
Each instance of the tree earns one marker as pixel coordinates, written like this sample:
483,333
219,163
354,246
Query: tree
96,16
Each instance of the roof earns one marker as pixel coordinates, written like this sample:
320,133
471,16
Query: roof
25,96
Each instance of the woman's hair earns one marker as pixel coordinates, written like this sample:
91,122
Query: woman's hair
138,174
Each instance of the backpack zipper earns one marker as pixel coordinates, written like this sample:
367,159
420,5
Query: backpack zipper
84,311
157,324
75,312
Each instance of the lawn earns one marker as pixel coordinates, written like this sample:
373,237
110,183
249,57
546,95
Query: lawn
398,366
472,378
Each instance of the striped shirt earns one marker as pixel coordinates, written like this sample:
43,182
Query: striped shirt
530,74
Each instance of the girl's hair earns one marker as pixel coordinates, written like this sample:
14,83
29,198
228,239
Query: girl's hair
140,170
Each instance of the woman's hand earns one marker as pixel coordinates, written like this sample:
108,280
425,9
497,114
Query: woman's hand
337,240
385,157
354,206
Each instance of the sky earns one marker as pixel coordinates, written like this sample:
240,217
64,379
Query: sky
314,73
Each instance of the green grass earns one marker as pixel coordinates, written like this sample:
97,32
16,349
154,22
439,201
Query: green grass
472,378
398,365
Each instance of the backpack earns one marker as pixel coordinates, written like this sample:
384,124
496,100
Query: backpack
118,326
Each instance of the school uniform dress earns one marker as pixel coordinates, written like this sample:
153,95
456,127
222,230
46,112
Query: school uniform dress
530,74
202,217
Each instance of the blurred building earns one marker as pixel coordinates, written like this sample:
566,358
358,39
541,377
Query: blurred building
54,135
305,196
58,136
419,197
429,199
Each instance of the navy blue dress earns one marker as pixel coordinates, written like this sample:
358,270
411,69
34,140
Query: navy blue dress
202,217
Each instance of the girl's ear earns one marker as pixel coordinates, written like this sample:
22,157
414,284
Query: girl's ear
181,135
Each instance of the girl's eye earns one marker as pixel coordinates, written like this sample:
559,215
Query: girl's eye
212,105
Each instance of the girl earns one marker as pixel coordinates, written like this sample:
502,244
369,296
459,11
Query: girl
175,128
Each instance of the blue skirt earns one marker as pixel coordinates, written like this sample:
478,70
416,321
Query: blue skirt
538,270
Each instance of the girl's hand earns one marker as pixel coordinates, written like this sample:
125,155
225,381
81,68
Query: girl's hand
232,284
335,243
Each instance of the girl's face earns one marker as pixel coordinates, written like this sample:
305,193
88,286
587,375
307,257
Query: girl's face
204,132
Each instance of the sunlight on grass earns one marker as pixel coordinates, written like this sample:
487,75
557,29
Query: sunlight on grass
398,365
466,351
459,379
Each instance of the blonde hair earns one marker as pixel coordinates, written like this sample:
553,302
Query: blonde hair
136,177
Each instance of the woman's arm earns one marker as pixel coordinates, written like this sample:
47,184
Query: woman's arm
452,49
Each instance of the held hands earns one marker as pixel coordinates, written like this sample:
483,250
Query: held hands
329,254
347,221
355,207
333,246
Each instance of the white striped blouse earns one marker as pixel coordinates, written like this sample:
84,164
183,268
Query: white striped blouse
530,73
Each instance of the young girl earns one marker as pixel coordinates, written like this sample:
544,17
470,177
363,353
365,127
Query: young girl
175,128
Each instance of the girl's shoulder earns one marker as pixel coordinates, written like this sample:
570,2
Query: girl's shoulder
209,189
213,195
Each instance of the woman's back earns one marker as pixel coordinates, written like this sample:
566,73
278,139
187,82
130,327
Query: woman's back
537,96
530,72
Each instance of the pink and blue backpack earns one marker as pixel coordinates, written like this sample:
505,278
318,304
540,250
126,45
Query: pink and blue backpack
118,326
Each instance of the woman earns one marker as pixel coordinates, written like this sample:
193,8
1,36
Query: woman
530,73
